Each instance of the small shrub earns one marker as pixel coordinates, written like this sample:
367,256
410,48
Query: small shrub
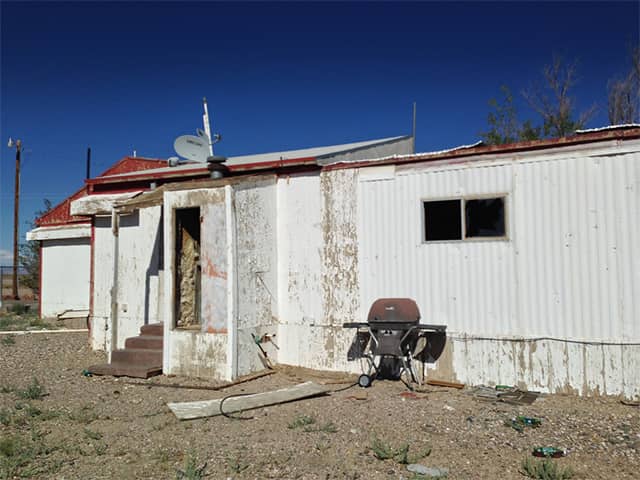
402,454
85,415
304,421
35,391
32,411
92,435
545,470
384,451
8,340
7,389
101,449
191,470
236,463
5,417
328,428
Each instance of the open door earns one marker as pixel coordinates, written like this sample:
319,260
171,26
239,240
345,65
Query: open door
187,269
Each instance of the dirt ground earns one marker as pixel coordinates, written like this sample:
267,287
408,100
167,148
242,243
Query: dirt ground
102,427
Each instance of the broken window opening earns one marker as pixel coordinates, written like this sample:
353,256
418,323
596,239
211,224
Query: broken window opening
484,217
187,268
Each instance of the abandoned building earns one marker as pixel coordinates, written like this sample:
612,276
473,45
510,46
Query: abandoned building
527,252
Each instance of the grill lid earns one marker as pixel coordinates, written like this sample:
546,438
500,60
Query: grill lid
400,310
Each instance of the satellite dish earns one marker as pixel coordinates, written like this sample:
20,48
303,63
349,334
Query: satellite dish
192,147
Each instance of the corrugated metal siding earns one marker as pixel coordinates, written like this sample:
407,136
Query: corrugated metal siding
570,268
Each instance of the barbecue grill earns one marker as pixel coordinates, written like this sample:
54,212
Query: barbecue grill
392,331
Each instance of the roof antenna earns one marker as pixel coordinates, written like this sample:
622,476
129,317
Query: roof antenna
413,132
207,125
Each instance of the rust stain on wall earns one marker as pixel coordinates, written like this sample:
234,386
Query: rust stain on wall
210,270
210,329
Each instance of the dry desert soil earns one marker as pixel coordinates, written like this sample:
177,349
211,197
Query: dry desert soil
57,423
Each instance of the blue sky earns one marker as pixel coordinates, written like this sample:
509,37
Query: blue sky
122,76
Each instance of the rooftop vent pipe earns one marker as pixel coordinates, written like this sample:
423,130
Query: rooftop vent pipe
217,169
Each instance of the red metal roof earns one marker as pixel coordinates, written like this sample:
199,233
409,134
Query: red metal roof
60,214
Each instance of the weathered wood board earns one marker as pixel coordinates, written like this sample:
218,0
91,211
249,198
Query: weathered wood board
211,408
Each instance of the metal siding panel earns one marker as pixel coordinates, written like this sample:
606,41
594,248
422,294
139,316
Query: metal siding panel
566,270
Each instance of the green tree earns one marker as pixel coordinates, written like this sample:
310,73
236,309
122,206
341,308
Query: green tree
504,126
503,120
29,256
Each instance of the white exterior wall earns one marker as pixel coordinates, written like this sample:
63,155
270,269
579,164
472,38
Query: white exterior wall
318,274
299,251
65,275
551,307
139,272
254,211
102,283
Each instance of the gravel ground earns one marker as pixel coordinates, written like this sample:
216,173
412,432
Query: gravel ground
102,427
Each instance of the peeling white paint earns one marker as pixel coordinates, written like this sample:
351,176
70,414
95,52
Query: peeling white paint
300,255
255,267
102,283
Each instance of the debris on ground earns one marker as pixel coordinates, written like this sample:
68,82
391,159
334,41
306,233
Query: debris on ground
443,383
552,452
520,422
429,472
237,403
511,395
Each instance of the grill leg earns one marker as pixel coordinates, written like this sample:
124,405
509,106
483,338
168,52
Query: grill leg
407,366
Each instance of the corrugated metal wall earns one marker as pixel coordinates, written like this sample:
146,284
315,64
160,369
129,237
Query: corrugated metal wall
569,267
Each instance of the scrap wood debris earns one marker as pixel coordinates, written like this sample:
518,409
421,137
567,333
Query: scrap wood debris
212,408
444,383
319,376
512,396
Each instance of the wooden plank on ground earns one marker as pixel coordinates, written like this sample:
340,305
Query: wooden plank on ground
211,408
443,383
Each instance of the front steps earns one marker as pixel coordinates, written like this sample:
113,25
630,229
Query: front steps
140,358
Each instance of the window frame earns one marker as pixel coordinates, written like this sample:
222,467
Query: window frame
463,223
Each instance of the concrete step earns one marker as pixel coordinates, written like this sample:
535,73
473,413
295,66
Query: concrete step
155,329
137,356
149,342
125,370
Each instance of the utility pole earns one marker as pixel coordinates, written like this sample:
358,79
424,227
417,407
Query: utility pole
16,210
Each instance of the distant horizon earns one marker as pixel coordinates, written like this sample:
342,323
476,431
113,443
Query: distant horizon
120,77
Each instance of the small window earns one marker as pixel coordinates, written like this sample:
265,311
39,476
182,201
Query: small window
442,220
484,217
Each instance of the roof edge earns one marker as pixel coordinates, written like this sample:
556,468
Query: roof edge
467,151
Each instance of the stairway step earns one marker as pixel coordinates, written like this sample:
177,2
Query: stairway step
147,342
125,370
137,356
155,329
